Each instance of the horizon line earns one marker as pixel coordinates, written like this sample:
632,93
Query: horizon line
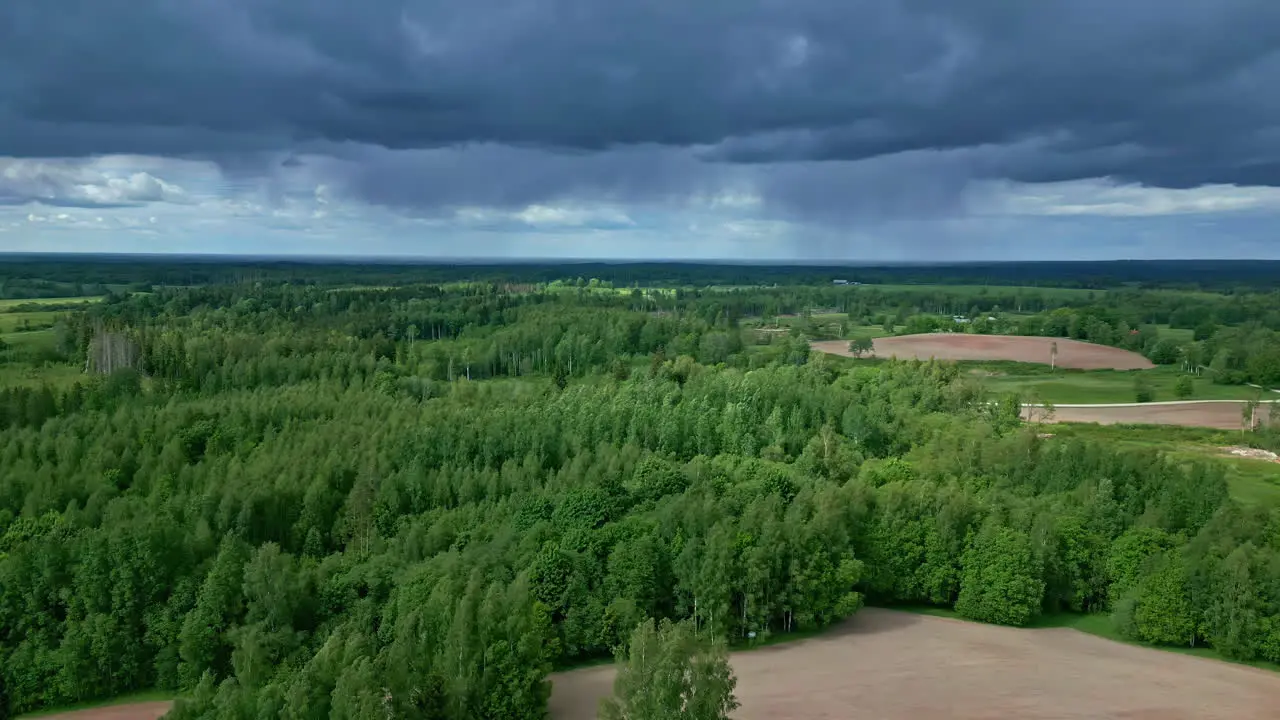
528,260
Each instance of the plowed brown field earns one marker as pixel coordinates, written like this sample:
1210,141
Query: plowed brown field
890,665
1222,414
958,346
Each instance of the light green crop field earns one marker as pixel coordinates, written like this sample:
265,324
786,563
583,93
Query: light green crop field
1180,335
1065,387
27,375
6,305
28,339
871,331
983,290
15,321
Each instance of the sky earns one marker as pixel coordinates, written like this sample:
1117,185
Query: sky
841,130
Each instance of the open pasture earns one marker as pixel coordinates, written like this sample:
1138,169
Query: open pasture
18,321
25,374
1107,386
983,291
29,339
7,305
889,664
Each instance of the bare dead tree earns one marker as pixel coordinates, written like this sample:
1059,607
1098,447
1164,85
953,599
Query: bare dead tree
111,350
1248,416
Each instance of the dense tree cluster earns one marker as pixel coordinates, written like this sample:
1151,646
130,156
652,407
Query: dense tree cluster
418,502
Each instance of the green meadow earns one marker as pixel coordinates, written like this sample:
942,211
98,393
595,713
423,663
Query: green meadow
1066,387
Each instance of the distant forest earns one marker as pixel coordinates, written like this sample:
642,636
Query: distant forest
36,276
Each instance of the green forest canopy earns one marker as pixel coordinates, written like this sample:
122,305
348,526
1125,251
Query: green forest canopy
417,502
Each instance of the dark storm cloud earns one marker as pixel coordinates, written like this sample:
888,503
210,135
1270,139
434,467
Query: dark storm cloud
504,176
432,181
1166,92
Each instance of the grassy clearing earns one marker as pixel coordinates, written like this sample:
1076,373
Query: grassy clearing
130,699
1012,369
829,322
1250,481
8,305
29,339
871,331
15,321
978,291
1152,436
832,322
1093,624
1180,335
21,374
1253,482
1110,386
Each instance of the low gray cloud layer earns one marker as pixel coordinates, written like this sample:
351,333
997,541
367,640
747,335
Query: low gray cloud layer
828,110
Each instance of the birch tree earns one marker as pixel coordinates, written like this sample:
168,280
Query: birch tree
667,674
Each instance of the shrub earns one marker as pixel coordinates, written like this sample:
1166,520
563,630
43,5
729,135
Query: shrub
1142,390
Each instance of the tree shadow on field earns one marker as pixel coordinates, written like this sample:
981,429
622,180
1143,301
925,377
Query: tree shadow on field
871,621
868,621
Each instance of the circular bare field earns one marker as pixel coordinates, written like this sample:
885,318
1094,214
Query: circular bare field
131,711
961,346
1219,414
885,664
